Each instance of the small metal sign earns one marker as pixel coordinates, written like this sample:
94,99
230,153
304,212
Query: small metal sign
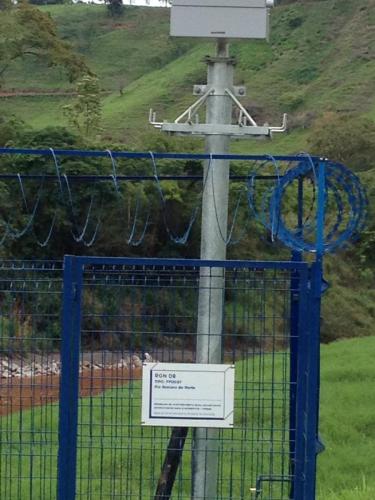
187,395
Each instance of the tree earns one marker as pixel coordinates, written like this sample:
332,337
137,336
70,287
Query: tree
5,5
350,139
115,7
85,112
346,138
25,31
11,130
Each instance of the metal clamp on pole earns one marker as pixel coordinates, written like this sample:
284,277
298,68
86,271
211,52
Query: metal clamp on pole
188,122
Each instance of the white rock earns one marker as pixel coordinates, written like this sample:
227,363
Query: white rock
136,361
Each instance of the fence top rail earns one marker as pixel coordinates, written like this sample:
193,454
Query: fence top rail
122,178
148,154
31,265
58,265
170,263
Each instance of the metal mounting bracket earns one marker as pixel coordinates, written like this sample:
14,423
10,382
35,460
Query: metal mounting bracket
238,90
188,121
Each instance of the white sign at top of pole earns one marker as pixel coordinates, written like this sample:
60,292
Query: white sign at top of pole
221,18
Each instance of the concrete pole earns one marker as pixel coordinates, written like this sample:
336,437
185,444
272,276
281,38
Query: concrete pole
213,247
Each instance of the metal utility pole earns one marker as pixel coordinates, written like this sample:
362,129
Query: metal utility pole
221,19
213,247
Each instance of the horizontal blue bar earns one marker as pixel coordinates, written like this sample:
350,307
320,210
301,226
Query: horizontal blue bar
122,178
230,264
171,156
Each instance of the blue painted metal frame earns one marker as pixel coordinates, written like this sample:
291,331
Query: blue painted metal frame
304,367
301,473
124,178
313,445
127,154
69,381
321,209
231,264
297,256
305,358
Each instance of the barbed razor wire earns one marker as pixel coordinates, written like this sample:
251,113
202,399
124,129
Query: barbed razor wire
280,193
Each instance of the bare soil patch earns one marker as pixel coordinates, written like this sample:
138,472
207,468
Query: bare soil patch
18,394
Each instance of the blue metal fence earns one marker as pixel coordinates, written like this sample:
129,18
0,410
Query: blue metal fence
118,312
30,299
70,395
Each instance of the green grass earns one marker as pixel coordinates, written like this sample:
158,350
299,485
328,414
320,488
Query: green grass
347,429
347,417
128,457
37,112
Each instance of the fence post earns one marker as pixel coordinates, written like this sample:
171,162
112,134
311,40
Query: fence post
295,293
69,381
304,333
313,380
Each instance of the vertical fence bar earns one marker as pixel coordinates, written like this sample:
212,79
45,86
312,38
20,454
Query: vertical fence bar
313,380
313,376
69,382
320,216
293,370
304,333
297,256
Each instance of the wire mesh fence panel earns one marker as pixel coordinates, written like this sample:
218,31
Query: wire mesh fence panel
30,303
133,312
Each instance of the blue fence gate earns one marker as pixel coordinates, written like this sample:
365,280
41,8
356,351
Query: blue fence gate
118,312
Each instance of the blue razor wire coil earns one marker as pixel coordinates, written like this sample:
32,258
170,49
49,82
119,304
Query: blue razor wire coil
345,203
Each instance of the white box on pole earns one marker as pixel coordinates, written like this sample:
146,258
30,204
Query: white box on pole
220,18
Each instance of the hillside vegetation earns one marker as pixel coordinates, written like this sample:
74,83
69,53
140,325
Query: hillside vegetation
320,58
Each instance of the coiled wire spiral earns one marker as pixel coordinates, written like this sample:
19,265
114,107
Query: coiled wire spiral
345,206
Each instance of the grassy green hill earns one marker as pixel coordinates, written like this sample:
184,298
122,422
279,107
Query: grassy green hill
320,57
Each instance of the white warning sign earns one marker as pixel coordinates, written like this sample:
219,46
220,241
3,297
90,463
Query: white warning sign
187,394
